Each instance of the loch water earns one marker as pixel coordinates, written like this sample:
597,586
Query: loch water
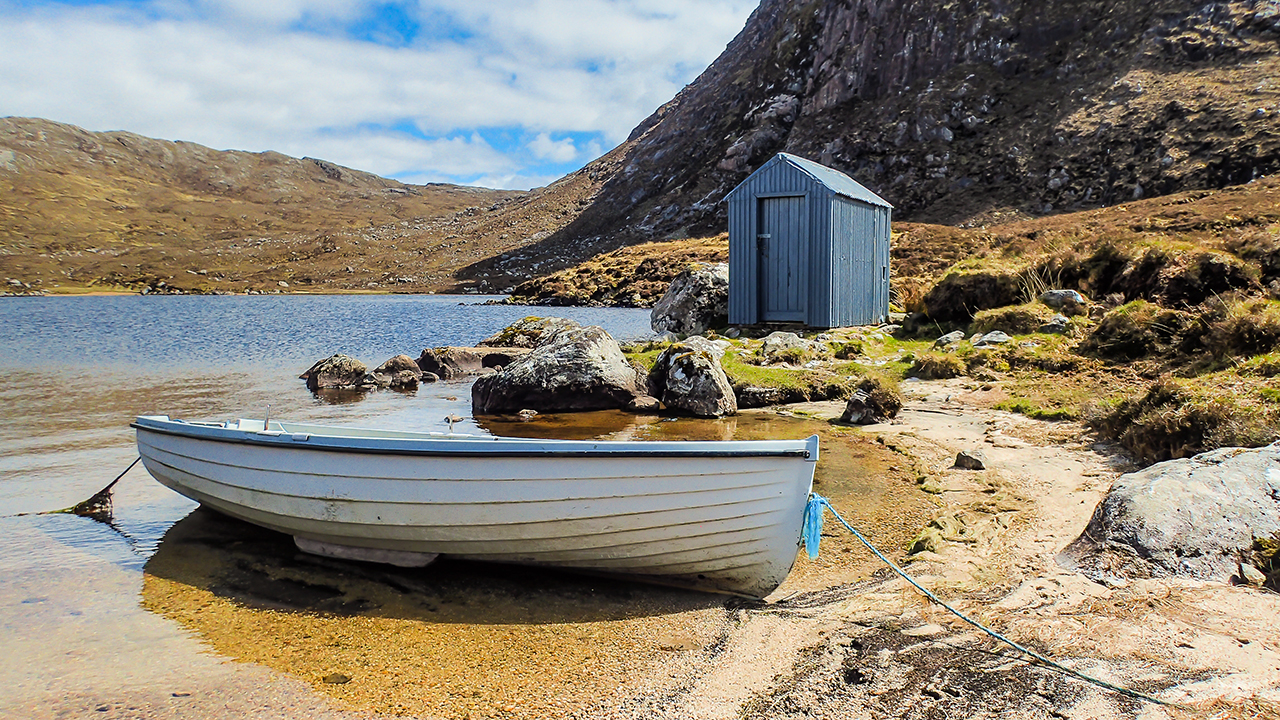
77,370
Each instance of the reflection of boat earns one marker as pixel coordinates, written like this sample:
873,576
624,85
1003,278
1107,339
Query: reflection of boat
722,516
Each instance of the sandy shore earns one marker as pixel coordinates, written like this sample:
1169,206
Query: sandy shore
843,638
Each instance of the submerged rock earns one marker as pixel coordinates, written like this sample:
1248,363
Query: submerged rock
1194,517
579,369
454,362
696,301
687,376
400,372
335,372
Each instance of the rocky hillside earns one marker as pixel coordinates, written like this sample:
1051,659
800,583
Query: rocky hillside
115,209
958,113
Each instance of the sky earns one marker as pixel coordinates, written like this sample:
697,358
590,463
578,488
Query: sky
506,94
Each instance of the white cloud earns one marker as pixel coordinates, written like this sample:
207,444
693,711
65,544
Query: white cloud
561,151
243,74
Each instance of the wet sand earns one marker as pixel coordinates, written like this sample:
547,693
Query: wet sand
462,639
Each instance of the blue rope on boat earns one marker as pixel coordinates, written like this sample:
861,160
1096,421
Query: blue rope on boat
812,532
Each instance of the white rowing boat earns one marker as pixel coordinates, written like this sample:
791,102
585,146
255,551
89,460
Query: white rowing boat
720,516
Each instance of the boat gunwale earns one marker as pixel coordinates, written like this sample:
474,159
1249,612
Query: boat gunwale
493,446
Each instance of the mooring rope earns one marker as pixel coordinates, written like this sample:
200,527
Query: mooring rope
96,503
812,534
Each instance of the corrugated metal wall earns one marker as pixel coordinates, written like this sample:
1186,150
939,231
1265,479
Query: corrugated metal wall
842,253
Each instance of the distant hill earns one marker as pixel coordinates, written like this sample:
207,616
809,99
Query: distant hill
115,209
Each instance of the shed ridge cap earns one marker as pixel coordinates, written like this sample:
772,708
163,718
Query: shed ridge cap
830,178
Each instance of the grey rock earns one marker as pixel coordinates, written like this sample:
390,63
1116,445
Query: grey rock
1191,517
776,344
400,372
335,372
1059,299
455,362
579,369
995,337
971,460
859,410
528,333
950,338
696,301
755,397
1250,575
1057,325
687,376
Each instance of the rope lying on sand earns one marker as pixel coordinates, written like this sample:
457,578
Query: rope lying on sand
812,534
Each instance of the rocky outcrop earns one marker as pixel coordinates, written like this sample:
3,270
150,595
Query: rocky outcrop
528,333
450,363
579,369
956,111
696,301
337,372
1194,517
687,377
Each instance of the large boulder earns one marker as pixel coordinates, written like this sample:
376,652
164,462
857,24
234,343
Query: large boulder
455,362
336,372
528,333
1192,517
696,301
687,376
579,369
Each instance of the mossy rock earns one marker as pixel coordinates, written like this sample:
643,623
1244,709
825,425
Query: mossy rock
1015,319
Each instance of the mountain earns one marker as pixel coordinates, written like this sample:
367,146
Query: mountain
116,209
962,113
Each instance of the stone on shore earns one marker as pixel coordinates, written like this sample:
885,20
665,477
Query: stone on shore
697,300
336,372
971,460
871,403
687,376
454,362
1193,517
579,369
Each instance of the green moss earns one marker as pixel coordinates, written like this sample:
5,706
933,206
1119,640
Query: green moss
937,366
1024,406
794,382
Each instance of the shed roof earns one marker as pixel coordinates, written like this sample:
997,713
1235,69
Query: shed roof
833,179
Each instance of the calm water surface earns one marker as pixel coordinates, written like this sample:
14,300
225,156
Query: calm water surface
78,370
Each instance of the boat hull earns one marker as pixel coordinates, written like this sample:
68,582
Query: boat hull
715,516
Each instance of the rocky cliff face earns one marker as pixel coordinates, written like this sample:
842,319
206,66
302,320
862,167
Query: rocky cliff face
960,112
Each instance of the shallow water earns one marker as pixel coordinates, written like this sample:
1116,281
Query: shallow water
135,617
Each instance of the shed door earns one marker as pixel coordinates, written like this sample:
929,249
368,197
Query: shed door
782,232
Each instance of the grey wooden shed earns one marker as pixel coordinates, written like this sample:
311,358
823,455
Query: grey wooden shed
807,244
